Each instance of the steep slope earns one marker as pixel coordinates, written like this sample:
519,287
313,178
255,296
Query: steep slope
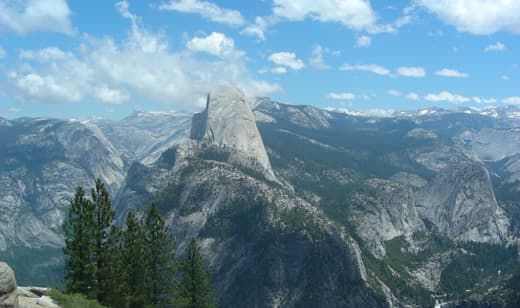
410,194
229,123
42,163
267,246
144,136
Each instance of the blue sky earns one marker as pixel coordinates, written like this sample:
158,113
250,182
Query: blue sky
106,58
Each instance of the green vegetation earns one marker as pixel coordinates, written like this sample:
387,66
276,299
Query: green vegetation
74,300
196,290
235,220
478,268
131,267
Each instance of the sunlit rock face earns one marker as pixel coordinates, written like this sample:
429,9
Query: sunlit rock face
229,123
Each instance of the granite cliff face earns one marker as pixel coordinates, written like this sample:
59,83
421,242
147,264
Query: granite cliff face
292,205
264,243
229,123
42,162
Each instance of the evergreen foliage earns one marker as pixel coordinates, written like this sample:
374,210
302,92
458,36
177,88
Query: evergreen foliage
161,264
196,290
133,259
80,268
135,266
103,219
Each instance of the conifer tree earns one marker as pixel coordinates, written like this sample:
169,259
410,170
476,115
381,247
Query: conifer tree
160,259
133,263
79,245
103,222
196,290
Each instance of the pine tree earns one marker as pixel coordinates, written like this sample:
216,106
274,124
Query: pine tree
196,288
160,259
79,245
103,221
133,262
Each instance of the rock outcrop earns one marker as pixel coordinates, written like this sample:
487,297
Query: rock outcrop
7,279
229,123
12,296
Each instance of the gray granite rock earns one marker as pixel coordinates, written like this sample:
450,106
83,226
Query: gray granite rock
7,279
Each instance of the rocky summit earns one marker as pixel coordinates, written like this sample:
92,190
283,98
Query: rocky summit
229,123
292,206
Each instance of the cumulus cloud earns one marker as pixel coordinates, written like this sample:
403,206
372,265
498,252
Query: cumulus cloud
363,41
480,17
205,9
446,96
280,70
316,61
43,88
411,96
27,16
354,14
216,44
446,72
111,96
498,46
513,100
416,72
111,71
373,68
394,93
44,55
259,27
341,96
287,59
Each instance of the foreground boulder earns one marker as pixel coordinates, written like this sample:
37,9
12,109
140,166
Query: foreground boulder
12,296
7,280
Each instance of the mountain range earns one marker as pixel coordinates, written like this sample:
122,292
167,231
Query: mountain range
293,206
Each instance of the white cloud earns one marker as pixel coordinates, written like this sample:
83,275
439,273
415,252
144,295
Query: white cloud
498,46
480,17
280,70
216,44
445,96
416,72
341,96
489,100
354,14
205,9
394,93
373,68
44,55
446,72
112,71
111,96
14,110
316,61
412,96
259,27
363,41
287,59
27,16
2,53
43,88
513,100
505,77
357,15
